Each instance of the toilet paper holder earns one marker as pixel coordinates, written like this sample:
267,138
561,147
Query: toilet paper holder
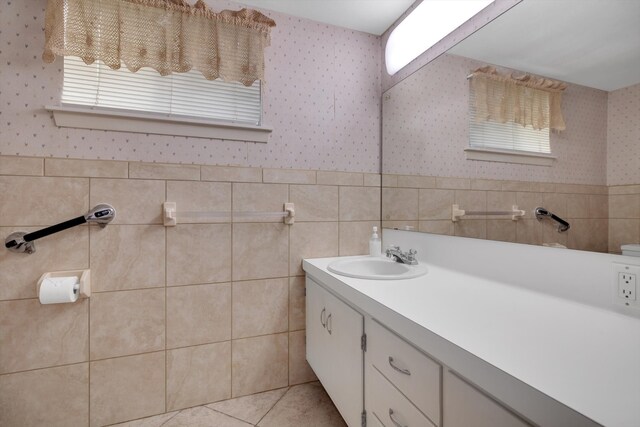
84,279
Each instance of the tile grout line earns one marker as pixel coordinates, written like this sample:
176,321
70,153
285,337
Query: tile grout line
129,163
170,418
275,404
148,352
22,371
288,296
166,314
339,232
89,322
144,418
174,286
231,285
222,413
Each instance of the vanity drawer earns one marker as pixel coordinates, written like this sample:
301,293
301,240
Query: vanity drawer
466,406
386,403
413,373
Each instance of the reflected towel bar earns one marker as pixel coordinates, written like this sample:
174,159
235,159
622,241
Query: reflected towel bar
457,213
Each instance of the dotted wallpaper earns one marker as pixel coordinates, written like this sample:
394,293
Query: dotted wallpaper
425,130
623,136
322,98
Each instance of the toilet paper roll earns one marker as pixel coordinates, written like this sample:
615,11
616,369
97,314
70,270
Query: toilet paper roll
56,290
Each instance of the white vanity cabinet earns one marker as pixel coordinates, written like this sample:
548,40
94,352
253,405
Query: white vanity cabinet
405,375
391,380
334,351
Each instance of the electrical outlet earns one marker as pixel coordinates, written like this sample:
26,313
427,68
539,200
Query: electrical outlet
626,285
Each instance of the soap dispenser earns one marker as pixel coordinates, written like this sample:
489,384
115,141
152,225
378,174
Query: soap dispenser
375,244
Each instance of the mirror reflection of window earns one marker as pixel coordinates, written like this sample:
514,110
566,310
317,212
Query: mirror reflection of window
506,136
513,113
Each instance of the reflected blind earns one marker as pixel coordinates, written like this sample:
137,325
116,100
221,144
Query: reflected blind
179,94
508,136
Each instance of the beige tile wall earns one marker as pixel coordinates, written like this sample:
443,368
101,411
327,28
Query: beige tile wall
624,216
180,316
424,203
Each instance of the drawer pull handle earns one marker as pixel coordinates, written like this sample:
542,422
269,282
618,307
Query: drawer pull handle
329,323
401,370
322,321
392,416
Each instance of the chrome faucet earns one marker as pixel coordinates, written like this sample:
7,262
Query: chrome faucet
397,255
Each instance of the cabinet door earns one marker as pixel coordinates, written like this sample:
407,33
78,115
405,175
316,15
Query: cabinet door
334,352
465,406
316,334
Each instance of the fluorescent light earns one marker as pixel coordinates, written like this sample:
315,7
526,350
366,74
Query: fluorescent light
429,23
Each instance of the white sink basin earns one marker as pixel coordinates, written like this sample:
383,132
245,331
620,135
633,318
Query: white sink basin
376,268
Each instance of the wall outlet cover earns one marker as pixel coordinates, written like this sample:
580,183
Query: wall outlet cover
625,285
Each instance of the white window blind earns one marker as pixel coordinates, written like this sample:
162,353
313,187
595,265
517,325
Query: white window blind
180,94
505,136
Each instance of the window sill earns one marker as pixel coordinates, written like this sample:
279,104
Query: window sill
506,156
138,122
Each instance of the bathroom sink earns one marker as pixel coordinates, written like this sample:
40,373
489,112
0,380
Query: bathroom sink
376,268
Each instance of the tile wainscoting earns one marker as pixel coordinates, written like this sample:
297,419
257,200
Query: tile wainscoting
424,203
624,216
180,316
203,312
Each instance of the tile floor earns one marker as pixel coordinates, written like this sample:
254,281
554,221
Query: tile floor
301,405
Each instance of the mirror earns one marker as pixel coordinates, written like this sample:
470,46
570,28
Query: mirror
593,46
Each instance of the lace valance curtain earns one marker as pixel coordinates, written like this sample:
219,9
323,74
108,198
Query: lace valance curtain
169,36
526,100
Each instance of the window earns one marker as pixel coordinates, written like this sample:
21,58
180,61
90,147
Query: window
180,94
97,97
506,142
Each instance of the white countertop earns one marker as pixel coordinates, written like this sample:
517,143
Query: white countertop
585,357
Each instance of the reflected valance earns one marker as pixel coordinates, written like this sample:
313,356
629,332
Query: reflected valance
166,35
527,100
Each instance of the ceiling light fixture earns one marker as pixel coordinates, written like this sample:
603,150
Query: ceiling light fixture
426,25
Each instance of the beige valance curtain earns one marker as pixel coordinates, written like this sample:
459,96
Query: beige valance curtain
527,100
166,35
